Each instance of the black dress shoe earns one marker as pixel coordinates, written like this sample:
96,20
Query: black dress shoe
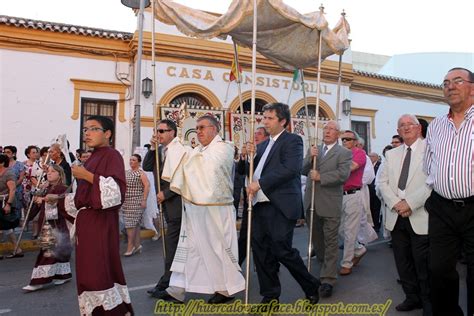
267,299
218,298
407,306
313,299
158,287
164,296
325,290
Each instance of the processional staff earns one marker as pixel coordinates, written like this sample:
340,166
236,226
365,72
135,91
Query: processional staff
35,191
156,108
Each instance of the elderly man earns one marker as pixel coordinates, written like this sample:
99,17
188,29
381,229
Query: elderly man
402,184
352,205
333,164
448,162
206,256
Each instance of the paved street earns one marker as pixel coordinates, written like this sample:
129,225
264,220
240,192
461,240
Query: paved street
373,281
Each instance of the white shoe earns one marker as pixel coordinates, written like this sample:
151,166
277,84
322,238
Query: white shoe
32,288
60,281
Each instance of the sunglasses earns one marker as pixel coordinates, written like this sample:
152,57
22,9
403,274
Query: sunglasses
161,131
346,139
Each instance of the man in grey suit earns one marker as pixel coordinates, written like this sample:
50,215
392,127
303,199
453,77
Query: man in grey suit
332,170
170,201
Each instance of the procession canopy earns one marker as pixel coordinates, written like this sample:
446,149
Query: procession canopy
285,36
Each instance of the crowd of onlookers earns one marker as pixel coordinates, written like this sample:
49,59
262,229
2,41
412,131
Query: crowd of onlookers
28,179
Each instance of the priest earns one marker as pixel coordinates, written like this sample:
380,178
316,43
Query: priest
206,260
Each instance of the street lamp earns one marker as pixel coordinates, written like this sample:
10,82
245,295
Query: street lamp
346,106
137,4
134,4
147,87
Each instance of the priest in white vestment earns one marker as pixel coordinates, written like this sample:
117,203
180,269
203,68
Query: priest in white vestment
206,260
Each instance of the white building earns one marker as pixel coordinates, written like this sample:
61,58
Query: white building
54,75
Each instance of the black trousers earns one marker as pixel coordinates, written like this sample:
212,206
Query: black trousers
451,228
272,238
242,241
171,240
411,252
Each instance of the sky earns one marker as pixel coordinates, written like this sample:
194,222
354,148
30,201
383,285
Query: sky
386,27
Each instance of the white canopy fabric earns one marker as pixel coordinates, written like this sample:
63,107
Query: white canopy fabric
285,36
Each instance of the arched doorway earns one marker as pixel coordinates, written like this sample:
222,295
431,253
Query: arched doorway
312,111
191,99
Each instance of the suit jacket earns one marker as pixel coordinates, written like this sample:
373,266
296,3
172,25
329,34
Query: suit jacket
172,205
280,180
416,191
334,168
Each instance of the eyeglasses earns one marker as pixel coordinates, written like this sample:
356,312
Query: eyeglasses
161,131
396,142
456,81
409,125
201,127
93,129
347,139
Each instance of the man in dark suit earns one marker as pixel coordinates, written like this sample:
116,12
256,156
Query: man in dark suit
375,203
170,201
276,195
333,165
260,136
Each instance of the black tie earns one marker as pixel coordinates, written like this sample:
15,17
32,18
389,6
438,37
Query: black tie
402,181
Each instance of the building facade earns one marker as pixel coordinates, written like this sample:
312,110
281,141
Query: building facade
53,76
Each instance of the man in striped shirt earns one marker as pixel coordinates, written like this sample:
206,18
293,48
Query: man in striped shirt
449,164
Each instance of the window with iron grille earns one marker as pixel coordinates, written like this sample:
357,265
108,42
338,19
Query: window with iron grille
101,107
362,128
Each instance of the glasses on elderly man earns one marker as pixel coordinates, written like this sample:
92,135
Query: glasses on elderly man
456,81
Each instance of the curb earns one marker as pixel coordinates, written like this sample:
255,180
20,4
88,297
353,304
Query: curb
33,245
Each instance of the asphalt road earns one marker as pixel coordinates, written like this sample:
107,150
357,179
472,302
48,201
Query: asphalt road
373,281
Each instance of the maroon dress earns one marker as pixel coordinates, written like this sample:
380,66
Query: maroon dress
56,267
100,280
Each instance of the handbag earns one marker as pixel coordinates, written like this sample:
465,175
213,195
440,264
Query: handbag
10,220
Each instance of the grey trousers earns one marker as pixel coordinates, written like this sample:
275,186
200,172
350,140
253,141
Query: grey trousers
325,245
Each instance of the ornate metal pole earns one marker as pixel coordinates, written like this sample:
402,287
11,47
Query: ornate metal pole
156,109
252,128
318,92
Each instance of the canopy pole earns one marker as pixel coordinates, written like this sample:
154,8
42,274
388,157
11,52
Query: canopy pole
291,90
318,92
308,131
239,85
156,109
338,94
252,128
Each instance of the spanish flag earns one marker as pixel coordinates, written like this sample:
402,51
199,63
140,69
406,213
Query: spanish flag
233,71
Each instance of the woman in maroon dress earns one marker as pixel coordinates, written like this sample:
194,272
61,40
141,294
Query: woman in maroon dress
52,269
100,192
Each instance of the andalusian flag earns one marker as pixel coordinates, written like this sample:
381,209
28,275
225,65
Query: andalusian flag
296,75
